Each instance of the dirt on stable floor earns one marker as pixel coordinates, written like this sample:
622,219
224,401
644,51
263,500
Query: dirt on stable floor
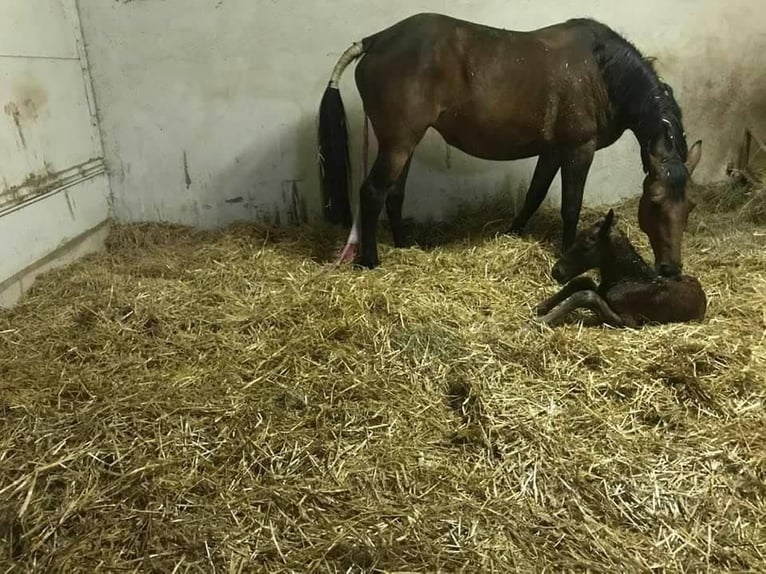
223,402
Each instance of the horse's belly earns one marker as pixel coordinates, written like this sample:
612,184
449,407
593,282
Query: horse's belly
508,143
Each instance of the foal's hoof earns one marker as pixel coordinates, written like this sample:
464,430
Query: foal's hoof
541,309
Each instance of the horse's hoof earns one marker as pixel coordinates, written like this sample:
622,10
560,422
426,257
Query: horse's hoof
368,258
365,263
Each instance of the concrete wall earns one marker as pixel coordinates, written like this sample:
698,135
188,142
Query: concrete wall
53,185
208,107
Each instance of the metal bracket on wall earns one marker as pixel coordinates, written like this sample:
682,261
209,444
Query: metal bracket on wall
39,186
742,168
72,10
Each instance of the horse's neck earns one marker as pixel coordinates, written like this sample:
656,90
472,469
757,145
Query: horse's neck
650,111
624,262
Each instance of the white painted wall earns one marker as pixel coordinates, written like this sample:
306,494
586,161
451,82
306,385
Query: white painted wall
53,186
233,86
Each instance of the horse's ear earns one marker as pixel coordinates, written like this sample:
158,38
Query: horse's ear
693,158
606,226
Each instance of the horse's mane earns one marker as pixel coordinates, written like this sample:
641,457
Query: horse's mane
645,103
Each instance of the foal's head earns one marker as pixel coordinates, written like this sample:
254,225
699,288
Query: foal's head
664,208
589,251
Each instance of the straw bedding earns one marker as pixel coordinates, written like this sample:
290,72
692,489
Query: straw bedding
222,402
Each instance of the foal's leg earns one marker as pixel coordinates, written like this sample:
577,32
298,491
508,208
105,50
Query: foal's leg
547,167
583,299
575,285
394,203
574,171
385,171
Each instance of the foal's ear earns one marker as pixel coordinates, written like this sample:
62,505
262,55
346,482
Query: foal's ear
606,226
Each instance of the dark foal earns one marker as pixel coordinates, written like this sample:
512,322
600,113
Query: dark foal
631,292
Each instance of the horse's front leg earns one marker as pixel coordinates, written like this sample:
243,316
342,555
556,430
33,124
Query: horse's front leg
587,300
575,285
574,172
546,169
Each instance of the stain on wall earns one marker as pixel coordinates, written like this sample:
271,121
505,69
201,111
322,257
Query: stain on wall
30,97
296,206
12,110
28,100
187,177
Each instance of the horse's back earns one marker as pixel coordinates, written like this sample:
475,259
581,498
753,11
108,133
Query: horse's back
435,24
424,25
493,93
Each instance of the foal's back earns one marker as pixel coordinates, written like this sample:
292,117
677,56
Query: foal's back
662,300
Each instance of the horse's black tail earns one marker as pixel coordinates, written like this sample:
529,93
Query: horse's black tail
335,164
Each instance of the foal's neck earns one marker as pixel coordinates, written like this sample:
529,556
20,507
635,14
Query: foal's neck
623,261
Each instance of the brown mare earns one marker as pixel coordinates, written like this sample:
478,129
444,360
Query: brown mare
630,293
560,93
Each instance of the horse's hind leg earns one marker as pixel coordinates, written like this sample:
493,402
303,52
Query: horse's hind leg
587,300
385,171
547,166
394,203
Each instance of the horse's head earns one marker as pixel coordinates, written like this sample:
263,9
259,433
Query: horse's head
665,206
587,252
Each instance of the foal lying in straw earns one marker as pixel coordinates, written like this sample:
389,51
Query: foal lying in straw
631,293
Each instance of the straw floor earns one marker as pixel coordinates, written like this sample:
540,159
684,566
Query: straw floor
223,402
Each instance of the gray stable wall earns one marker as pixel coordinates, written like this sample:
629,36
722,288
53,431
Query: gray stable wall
208,108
